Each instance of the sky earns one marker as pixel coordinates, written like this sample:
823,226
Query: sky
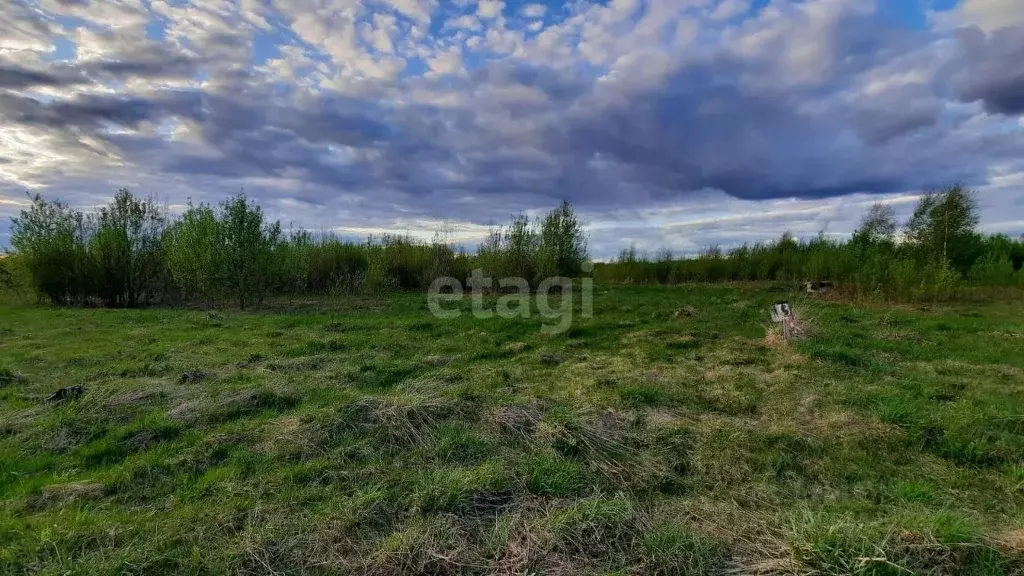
667,123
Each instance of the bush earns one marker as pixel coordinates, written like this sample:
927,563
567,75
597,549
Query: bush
563,244
230,253
992,270
129,254
535,250
246,246
50,236
6,276
191,246
939,252
125,247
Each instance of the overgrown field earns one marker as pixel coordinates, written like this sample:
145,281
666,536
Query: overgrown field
669,434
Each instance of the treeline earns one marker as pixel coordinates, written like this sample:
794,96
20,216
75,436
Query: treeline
132,253
933,255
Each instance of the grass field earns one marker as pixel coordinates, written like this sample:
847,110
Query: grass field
669,434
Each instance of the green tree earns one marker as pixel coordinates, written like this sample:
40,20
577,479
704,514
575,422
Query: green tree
6,276
992,270
877,225
942,227
126,248
193,250
50,236
520,241
248,245
563,243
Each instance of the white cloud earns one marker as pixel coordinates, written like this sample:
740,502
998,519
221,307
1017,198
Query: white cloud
644,101
380,33
464,22
419,10
727,9
488,9
503,41
993,14
534,10
447,62
799,43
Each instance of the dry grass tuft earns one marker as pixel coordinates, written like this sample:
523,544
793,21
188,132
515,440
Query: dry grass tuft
1012,542
773,337
187,411
291,435
60,495
435,545
520,421
516,347
401,419
684,312
135,397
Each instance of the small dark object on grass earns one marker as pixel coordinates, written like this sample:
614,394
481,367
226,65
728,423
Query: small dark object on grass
68,393
550,359
192,377
818,286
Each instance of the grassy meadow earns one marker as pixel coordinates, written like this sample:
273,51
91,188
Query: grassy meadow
671,433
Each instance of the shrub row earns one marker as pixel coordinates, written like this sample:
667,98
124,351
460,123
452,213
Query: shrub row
935,254
131,253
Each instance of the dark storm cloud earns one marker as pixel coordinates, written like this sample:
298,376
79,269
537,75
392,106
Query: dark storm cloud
257,138
92,111
14,77
18,77
754,124
993,69
698,129
558,86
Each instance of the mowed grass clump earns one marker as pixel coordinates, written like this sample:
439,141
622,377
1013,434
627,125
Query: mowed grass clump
673,433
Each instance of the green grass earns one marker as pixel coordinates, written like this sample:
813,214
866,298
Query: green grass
364,436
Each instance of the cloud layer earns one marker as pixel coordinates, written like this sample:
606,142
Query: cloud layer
379,113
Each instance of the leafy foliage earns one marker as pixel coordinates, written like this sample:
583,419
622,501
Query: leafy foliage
246,247
125,245
942,227
938,253
6,276
51,237
191,248
130,253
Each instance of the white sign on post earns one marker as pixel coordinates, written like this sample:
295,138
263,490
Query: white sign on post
782,313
